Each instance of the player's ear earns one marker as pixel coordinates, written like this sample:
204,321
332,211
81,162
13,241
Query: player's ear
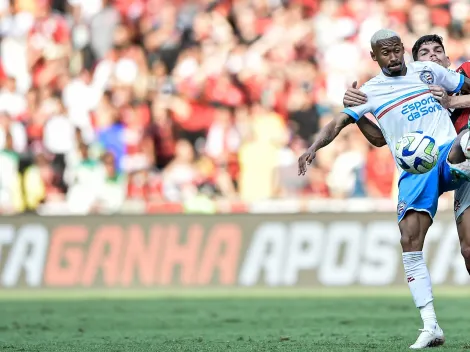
372,56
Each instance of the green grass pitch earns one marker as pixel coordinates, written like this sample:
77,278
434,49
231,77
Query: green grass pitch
246,320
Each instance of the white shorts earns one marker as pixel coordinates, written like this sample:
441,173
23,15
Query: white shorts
461,199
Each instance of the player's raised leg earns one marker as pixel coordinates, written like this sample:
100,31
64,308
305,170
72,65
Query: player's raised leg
460,167
457,154
463,229
467,144
462,218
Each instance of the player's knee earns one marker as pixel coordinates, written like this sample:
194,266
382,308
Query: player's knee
413,229
465,250
463,229
409,236
410,241
456,154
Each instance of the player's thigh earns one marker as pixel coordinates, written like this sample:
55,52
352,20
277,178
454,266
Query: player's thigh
456,154
413,229
419,193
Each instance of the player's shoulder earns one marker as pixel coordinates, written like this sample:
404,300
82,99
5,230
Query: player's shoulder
419,66
373,83
427,71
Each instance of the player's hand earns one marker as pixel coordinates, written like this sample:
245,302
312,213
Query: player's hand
354,97
440,94
304,160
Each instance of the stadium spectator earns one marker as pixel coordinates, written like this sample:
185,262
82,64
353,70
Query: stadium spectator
11,198
191,100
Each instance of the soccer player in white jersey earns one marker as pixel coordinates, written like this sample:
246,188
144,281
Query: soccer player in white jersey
431,48
391,97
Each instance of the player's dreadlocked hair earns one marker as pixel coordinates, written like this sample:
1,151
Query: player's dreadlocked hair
431,38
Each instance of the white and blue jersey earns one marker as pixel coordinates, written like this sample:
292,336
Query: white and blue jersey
404,104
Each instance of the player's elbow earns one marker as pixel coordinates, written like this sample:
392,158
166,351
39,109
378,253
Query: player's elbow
374,139
379,142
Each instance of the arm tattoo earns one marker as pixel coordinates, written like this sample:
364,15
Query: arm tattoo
372,132
331,130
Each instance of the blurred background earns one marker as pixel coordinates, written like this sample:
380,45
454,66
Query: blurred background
123,123
156,106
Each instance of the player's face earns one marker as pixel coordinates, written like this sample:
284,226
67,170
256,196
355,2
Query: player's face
389,54
433,52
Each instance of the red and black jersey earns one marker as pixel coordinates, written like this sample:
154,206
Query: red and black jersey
460,117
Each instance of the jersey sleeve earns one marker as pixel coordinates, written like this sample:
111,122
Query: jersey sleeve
356,112
449,79
464,69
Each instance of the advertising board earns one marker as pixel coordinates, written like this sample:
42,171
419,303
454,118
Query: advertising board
301,250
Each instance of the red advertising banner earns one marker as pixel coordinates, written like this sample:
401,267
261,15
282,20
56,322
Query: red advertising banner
220,251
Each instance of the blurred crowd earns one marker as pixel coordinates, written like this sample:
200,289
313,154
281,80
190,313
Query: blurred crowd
107,105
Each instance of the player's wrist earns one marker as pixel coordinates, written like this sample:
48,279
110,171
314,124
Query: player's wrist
313,148
451,102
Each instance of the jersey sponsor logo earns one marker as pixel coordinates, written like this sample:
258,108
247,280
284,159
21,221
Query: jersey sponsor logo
420,108
427,77
401,207
457,205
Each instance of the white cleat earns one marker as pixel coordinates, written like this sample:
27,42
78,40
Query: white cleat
429,338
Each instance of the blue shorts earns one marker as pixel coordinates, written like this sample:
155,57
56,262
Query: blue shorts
421,192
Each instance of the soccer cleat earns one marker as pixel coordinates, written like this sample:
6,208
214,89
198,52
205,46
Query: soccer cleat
429,338
460,171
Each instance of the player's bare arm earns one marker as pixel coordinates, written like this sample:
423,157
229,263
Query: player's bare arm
452,102
371,131
326,135
459,102
373,134
449,101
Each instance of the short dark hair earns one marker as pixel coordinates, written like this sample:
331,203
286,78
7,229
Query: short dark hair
431,38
